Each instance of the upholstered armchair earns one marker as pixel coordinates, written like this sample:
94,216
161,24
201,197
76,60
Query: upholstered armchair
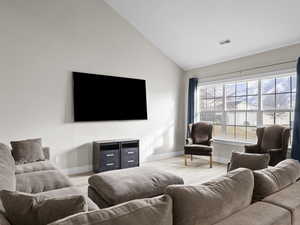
273,140
199,141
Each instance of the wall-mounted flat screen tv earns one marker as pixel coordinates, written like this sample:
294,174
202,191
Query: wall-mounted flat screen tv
106,98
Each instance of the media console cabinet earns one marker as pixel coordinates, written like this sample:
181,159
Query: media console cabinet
115,154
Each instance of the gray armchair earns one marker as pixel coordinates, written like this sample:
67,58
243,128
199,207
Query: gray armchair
199,141
273,140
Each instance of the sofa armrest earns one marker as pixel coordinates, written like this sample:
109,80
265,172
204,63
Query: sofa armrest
276,156
46,151
252,149
189,141
275,152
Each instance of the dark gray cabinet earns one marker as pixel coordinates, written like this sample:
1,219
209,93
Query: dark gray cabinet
115,154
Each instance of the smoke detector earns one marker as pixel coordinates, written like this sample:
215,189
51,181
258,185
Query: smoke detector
224,42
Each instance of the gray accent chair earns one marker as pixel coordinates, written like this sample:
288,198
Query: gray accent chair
273,140
199,141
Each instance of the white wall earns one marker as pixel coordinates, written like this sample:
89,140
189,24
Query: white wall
41,42
237,69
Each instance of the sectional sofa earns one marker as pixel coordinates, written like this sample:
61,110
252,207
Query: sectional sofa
40,178
242,197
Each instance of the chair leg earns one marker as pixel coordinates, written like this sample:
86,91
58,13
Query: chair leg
210,161
185,160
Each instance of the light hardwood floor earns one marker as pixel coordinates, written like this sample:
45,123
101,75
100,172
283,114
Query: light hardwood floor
197,171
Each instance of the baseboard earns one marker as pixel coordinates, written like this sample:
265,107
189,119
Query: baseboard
88,168
220,159
162,156
77,170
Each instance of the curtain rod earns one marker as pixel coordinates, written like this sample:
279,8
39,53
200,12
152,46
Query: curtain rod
257,67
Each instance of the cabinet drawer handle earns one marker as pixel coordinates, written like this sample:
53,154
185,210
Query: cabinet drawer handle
129,153
110,155
130,161
110,164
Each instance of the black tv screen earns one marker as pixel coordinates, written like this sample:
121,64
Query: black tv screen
103,98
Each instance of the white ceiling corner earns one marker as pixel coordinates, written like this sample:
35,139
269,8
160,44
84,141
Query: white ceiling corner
189,31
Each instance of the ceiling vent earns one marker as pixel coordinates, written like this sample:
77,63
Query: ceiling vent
224,42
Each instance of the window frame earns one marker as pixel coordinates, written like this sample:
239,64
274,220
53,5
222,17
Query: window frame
260,111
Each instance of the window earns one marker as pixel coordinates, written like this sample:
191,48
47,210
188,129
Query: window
241,109
278,100
237,108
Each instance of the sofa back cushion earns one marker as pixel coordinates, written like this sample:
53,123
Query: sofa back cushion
27,151
249,161
28,209
270,180
211,202
150,211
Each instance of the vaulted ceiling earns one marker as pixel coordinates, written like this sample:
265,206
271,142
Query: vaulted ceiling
189,31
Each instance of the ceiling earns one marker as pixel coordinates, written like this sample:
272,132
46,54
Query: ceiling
189,31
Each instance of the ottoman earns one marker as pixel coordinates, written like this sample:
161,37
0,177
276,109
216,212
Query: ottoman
114,187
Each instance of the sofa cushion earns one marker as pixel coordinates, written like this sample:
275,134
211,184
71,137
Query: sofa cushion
26,151
41,181
273,179
3,220
151,211
7,171
212,201
123,185
259,213
69,191
34,167
249,161
28,209
288,198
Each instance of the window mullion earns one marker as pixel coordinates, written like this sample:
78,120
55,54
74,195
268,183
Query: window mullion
224,113
259,110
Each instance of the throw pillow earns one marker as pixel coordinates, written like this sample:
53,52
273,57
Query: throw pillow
149,211
212,201
27,209
270,180
27,151
249,161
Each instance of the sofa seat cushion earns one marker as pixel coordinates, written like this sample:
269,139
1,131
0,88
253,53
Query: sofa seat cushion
123,185
34,167
41,181
151,211
259,213
212,201
274,179
195,149
288,198
69,191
